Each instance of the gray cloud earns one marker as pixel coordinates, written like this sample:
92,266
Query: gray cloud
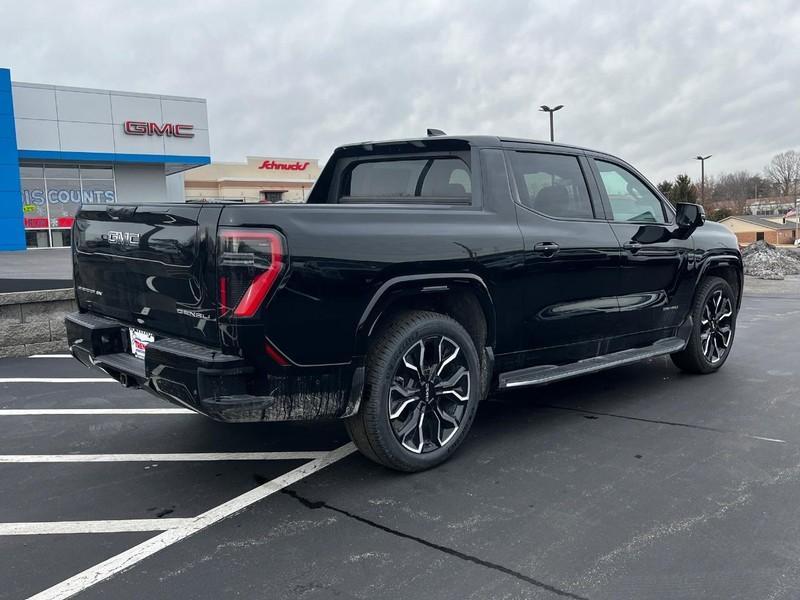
654,82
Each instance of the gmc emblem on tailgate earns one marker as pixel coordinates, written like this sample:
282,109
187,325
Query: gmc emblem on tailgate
122,238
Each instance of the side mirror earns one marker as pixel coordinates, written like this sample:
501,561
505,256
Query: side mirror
690,216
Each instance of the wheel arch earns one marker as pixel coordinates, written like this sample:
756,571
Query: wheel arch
462,296
728,268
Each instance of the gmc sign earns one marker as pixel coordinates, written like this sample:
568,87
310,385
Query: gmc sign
167,129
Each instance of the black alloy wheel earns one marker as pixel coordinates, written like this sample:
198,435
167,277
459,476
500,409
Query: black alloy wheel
714,327
421,392
429,394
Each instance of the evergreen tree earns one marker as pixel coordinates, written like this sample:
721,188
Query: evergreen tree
665,187
683,190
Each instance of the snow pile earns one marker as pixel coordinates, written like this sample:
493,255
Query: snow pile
765,261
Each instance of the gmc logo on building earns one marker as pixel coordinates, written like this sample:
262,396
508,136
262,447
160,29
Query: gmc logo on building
168,129
279,166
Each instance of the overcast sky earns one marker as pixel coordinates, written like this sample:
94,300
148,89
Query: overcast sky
654,82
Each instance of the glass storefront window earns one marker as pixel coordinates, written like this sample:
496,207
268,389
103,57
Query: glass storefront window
37,238
37,171
97,191
61,237
63,200
66,172
34,204
52,195
97,172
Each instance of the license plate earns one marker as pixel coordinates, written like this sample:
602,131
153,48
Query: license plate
139,341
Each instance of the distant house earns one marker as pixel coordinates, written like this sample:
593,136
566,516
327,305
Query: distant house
770,206
749,229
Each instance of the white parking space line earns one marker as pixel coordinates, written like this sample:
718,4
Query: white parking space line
113,526
24,412
57,380
127,559
155,458
50,356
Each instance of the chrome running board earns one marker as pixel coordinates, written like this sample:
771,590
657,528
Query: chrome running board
541,374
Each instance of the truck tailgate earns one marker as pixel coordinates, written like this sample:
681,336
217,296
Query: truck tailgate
152,266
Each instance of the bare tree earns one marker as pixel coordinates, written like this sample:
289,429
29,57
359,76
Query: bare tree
784,171
734,189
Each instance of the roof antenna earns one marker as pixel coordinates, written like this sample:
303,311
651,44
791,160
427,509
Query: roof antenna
435,132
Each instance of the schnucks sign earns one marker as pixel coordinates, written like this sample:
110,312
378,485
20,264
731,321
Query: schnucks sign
280,166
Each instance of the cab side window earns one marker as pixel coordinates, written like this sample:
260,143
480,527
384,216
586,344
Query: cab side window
552,184
629,197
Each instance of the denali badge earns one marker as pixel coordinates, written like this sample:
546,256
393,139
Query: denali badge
122,238
192,313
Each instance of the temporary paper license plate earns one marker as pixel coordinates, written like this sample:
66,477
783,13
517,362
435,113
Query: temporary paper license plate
139,341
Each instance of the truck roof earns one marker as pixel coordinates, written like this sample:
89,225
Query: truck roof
472,140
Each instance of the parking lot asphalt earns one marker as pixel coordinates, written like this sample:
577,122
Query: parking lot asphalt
640,482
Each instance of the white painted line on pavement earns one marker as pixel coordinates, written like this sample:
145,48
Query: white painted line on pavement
50,356
127,559
114,526
765,439
57,380
24,412
179,457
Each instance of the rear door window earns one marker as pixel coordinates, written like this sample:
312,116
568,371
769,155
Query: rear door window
426,180
552,184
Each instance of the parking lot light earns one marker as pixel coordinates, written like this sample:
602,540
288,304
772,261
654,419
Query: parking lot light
702,160
550,111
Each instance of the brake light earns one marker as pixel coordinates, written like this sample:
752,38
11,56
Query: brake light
249,263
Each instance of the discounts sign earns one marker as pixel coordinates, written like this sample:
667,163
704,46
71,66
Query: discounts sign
56,206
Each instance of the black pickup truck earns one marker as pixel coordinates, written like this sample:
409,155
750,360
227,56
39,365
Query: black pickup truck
420,276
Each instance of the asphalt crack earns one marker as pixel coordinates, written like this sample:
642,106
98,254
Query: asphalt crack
318,504
595,414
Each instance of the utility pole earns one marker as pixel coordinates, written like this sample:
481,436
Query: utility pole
702,160
756,202
550,111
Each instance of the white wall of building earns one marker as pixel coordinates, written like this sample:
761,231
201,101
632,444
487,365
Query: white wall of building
64,119
175,191
140,183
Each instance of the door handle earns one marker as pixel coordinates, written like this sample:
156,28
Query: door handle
546,248
634,247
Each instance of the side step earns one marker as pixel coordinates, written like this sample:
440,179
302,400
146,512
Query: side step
541,374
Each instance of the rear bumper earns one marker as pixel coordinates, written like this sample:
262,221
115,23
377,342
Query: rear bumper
224,387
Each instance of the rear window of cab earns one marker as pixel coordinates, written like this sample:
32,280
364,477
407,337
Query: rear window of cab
445,180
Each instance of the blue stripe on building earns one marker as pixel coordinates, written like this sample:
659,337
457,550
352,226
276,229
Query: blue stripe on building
12,231
114,157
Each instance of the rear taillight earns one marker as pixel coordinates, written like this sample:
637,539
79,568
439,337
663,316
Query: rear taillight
249,263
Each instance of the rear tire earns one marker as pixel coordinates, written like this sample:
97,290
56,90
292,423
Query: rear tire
421,393
713,328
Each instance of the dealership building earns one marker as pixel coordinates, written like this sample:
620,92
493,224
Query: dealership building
63,146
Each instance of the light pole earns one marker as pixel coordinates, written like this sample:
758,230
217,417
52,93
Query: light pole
702,160
547,109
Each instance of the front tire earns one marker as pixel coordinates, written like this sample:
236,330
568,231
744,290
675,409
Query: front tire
713,328
421,393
